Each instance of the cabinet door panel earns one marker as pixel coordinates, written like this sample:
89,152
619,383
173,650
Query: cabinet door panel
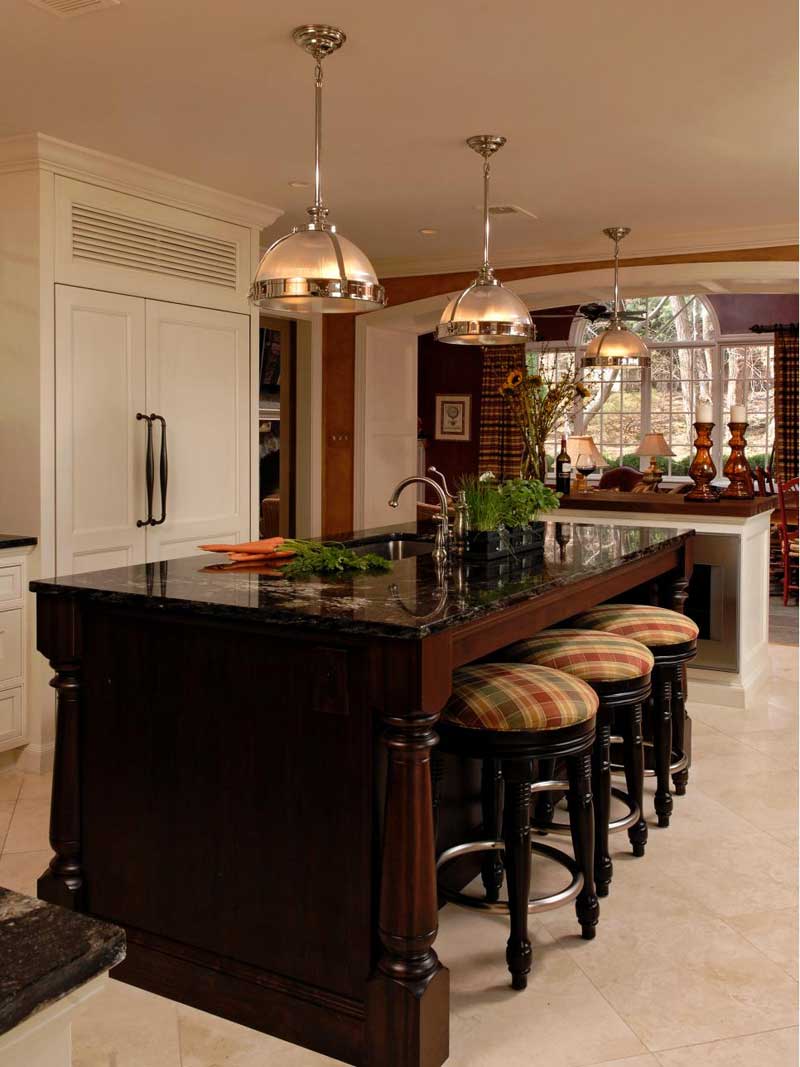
99,461
198,370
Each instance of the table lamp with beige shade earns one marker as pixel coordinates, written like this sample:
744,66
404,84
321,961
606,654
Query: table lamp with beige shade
653,445
584,445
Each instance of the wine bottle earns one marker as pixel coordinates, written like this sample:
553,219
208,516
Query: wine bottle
563,469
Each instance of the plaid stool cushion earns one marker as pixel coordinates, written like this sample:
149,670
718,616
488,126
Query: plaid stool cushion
503,696
651,626
594,657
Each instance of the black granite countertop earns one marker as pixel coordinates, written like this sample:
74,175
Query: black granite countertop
16,541
413,599
46,952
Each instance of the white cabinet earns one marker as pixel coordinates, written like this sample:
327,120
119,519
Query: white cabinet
13,611
198,380
100,385
123,290
118,357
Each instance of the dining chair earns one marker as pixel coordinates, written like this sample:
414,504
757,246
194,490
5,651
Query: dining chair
790,541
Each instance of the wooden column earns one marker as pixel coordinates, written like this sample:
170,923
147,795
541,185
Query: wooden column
408,996
59,639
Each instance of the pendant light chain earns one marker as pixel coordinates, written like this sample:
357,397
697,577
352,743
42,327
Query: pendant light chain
616,279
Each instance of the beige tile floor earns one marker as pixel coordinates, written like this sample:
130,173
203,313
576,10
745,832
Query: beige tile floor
695,963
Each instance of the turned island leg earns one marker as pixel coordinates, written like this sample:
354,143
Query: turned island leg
59,639
408,996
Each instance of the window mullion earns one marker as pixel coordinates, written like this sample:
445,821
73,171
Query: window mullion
719,408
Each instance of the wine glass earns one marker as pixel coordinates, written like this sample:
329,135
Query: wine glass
585,465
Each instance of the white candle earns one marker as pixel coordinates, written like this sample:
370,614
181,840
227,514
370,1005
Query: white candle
705,410
738,413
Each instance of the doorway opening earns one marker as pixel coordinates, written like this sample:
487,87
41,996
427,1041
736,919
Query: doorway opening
277,366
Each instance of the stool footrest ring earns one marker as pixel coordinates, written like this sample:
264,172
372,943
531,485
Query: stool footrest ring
614,826
536,904
679,762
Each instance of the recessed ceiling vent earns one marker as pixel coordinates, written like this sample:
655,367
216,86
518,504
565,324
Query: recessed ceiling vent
139,244
510,209
70,9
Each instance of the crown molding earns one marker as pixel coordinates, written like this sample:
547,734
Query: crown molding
40,152
669,245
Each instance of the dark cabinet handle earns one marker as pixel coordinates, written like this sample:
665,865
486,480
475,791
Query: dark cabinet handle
163,469
149,469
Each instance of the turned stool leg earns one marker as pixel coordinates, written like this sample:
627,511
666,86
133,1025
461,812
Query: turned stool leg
581,819
680,728
633,763
601,791
518,775
544,809
662,741
492,802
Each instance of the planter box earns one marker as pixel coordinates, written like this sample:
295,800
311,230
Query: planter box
528,538
487,544
499,544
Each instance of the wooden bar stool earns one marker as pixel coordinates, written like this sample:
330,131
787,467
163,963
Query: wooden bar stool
517,715
618,669
672,639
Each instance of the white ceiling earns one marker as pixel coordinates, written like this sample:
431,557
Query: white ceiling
677,119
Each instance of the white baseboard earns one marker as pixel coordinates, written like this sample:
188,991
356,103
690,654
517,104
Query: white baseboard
724,689
38,759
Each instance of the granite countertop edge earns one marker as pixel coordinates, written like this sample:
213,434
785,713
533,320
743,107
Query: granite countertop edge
17,541
273,615
93,947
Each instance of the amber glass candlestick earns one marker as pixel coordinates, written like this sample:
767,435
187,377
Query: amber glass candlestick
737,469
702,471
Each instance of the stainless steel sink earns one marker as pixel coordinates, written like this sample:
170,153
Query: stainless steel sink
395,548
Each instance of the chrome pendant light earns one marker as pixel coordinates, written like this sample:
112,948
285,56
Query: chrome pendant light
313,268
616,346
486,313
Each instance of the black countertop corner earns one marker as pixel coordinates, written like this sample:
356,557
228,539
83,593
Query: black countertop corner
46,952
413,600
16,541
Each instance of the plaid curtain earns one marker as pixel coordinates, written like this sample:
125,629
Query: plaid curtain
500,446
787,389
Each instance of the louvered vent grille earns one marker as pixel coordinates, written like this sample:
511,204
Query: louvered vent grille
138,244
69,9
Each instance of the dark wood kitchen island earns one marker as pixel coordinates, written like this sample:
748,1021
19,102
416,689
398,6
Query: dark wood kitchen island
242,775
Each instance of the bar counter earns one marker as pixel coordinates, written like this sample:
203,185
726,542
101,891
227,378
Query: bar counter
242,773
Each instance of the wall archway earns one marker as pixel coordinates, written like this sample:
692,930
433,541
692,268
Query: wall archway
385,422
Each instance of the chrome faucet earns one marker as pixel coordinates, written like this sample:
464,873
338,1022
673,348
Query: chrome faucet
442,479
442,527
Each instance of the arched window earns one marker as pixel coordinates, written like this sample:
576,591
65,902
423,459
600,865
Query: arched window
688,359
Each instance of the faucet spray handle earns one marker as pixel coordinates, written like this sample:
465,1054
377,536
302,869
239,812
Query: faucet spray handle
442,479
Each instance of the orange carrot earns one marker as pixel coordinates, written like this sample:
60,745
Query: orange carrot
269,544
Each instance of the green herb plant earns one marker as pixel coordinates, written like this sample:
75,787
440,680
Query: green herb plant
483,500
313,557
517,502
524,499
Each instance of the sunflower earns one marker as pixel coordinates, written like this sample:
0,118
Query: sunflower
581,390
537,380
515,379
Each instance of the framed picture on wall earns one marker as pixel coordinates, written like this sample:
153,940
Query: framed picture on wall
453,416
